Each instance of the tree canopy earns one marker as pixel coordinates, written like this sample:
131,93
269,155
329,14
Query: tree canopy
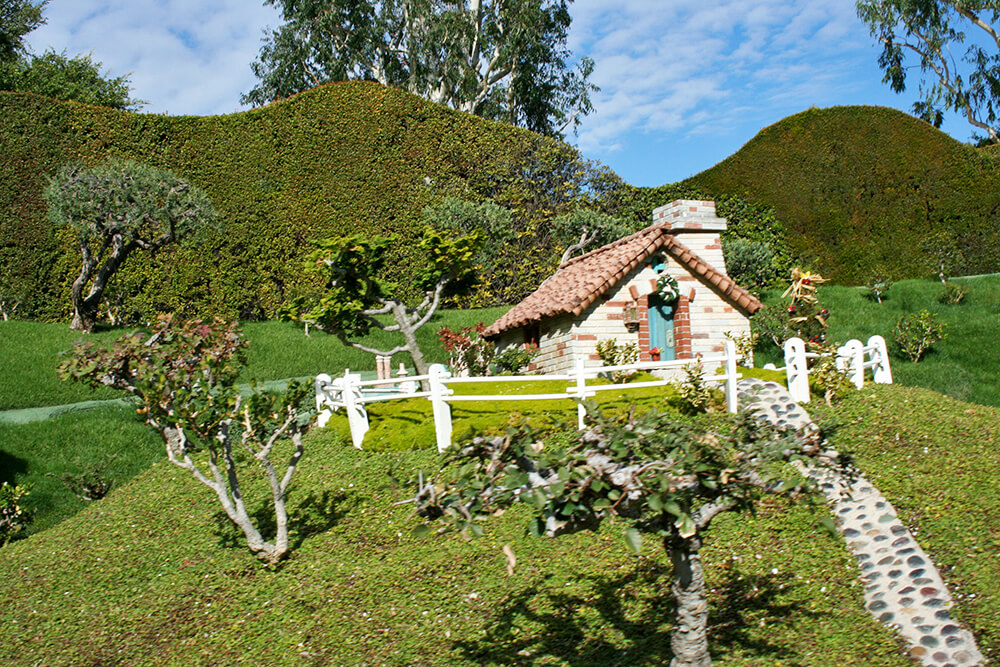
76,79
353,296
17,19
116,208
932,32
502,59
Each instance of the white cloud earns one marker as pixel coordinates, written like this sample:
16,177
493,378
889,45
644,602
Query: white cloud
688,68
183,56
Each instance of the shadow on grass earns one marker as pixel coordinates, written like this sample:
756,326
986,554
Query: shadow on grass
315,514
10,467
627,620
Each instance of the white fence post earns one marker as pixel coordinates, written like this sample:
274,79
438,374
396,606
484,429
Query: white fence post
730,349
581,388
851,359
796,369
324,412
357,416
439,403
880,360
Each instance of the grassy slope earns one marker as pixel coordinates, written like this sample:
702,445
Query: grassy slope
150,575
111,440
962,366
860,187
937,461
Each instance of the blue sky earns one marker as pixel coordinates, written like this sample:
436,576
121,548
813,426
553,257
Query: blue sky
683,84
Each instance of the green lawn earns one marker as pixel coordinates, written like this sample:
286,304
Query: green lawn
963,366
152,575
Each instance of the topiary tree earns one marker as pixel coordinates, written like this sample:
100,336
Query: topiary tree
184,375
353,296
117,208
667,481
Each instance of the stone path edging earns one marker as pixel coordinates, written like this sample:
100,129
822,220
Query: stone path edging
903,588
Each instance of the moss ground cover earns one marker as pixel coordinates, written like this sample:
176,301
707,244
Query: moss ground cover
962,366
937,461
150,575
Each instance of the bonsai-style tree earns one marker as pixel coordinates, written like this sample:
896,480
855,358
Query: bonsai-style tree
665,480
353,297
115,209
184,375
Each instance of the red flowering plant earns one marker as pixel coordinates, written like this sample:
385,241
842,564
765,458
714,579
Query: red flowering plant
468,352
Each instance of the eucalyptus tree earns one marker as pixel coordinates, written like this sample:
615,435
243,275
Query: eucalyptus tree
501,59
115,209
17,19
931,35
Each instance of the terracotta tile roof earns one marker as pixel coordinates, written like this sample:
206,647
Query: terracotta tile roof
582,280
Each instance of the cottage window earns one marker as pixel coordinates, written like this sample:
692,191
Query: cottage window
532,335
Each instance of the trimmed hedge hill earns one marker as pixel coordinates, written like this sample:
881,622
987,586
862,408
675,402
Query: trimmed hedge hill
864,188
338,159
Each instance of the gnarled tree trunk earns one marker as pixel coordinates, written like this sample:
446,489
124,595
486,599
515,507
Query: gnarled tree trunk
689,640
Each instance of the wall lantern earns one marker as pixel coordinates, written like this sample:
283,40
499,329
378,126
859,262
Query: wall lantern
631,316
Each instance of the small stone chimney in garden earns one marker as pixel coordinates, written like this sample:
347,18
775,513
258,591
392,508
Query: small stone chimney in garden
695,224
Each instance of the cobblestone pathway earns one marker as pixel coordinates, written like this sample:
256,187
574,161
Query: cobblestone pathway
903,588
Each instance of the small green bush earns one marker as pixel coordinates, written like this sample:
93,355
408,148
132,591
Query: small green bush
514,359
953,294
749,263
694,396
771,323
915,334
877,286
14,516
613,354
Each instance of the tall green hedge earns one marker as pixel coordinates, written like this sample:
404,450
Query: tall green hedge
342,158
867,188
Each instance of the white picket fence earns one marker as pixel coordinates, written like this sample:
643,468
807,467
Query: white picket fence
351,394
853,357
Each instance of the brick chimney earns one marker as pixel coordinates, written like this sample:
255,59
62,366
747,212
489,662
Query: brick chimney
695,224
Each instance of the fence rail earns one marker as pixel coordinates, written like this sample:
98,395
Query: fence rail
853,358
351,394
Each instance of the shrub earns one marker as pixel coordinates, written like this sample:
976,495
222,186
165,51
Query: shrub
953,294
749,263
826,378
915,334
770,322
745,344
468,352
693,392
514,359
613,354
14,516
877,286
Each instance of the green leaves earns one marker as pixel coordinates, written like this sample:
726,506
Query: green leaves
633,540
664,478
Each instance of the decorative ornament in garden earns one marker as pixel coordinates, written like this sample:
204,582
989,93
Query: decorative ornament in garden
806,319
666,287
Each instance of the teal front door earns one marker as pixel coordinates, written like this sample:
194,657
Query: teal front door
661,326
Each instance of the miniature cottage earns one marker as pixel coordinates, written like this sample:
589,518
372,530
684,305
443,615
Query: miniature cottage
613,292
